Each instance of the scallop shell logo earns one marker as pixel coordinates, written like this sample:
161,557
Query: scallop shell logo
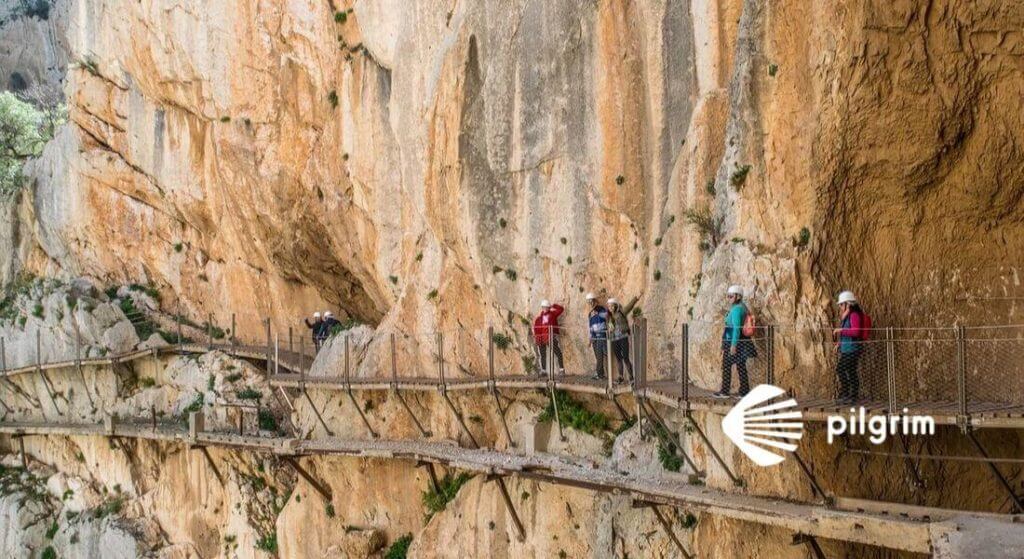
751,425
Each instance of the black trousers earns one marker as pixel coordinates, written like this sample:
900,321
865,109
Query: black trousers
849,378
556,348
600,353
740,361
620,349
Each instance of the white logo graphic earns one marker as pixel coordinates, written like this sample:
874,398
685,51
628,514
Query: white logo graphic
770,425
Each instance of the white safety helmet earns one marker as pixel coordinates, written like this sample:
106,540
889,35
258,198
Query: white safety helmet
544,304
591,296
735,290
613,301
328,314
846,297
316,314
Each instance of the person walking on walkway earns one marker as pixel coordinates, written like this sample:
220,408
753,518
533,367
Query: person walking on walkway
314,328
547,331
618,319
736,347
330,324
598,324
852,331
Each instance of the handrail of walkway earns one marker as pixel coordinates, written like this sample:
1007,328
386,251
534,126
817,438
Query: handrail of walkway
970,375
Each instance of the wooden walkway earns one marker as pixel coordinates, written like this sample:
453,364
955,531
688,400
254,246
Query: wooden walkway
886,525
668,393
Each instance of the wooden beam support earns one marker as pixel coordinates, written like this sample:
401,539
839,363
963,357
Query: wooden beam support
359,410
1017,504
210,462
316,484
317,412
432,472
678,443
665,525
707,442
812,544
509,506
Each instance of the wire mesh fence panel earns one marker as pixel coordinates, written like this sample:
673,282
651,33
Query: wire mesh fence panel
924,370
861,372
664,352
993,374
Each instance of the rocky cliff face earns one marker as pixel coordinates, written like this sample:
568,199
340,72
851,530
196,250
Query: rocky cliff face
442,166
446,165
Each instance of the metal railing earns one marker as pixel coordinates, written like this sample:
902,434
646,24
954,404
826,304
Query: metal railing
960,370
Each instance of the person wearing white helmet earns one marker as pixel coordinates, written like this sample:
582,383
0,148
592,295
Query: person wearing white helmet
618,321
736,347
314,328
546,331
331,326
597,320
854,326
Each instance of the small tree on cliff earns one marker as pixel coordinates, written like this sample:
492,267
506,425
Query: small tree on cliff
24,130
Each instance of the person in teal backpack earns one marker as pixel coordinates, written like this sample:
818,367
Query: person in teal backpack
854,325
736,348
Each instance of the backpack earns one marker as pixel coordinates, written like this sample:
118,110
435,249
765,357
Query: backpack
865,326
749,325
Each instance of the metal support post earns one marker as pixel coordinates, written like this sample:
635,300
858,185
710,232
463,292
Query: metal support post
684,393
963,418
770,350
209,331
78,363
890,369
269,348
234,333
676,444
718,458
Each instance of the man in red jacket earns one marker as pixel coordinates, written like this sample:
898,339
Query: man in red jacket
546,331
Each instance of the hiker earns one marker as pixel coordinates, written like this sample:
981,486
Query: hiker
314,328
598,322
736,345
854,325
618,318
327,328
547,331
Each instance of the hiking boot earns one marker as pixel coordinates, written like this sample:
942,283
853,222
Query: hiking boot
720,395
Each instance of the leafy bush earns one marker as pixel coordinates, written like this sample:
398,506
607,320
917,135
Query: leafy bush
49,553
249,393
267,543
739,176
501,340
332,98
24,130
267,420
574,415
708,226
435,500
803,239
400,548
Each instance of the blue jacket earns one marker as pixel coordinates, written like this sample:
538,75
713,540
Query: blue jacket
733,331
598,323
